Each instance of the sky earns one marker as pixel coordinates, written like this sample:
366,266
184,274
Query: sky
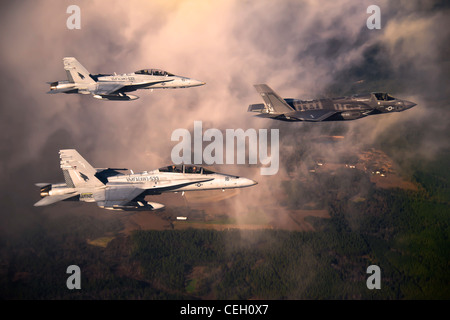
302,49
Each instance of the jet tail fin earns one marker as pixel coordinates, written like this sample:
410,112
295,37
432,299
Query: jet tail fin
273,102
77,171
76,72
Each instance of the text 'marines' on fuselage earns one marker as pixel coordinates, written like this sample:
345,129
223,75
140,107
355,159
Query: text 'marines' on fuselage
113,86
112,189
334,109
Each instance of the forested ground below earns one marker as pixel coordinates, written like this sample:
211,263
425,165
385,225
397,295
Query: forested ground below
403,232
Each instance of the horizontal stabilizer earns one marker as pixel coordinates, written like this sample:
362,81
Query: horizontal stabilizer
42,184
66,90
52,199
258,107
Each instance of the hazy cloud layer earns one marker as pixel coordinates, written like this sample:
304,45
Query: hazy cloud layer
303,49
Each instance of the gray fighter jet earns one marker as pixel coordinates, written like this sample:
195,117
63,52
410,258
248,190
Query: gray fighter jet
113,189
335,109
113,86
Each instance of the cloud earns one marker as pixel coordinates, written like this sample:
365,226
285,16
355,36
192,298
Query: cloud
301,49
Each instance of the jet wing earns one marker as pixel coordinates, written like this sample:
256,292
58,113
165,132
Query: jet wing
116,196
311,115
109,88
52,199
145,85
168,186
116,88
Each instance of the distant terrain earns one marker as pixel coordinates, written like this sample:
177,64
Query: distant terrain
317,245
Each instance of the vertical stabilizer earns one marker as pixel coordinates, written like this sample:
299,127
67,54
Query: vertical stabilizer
273,102
76,72
78,173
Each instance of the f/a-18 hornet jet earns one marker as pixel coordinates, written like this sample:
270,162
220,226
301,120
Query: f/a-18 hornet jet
113,86
112,189
334,109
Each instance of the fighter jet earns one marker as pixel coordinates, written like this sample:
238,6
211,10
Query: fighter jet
334,109
113,86
113,188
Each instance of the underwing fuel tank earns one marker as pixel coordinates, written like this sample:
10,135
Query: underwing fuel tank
142,206
124,97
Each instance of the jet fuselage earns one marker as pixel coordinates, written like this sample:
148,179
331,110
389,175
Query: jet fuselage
114,86
334,109
112,189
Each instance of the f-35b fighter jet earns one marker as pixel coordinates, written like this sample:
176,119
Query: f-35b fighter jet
112,189
113,86
335,109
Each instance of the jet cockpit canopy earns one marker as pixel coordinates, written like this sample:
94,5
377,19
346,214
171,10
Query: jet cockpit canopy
154,72
383,96
182,168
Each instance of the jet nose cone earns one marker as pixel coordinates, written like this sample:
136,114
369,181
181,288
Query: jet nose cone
248,182
409,104
200,83
196,83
